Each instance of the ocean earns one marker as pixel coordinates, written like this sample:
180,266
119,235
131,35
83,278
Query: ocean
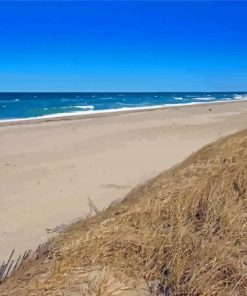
16,106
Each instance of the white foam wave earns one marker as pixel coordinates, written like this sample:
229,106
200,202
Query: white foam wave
87,107
240,97
179,98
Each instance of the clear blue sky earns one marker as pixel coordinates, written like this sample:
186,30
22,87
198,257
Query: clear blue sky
123,46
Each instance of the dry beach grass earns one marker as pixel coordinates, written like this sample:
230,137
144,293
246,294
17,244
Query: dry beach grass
182,233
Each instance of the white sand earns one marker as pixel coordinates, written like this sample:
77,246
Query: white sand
49,169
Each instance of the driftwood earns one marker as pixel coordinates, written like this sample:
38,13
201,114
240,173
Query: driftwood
92,207
56,229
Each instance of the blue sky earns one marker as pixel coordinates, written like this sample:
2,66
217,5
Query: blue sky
123,46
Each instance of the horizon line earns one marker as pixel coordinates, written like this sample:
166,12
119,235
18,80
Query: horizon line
199,91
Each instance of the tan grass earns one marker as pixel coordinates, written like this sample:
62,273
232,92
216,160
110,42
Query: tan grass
182,233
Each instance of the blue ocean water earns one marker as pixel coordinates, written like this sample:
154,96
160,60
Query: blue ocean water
14,106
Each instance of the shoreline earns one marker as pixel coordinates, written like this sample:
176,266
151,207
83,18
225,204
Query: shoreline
107,112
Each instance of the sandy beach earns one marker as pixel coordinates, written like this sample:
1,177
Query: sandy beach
48,170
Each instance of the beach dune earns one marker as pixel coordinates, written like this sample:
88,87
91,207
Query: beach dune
48,170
